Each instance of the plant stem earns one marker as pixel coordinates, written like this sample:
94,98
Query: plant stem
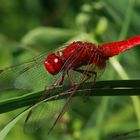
102,88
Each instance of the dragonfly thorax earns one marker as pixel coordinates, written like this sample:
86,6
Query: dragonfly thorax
53,64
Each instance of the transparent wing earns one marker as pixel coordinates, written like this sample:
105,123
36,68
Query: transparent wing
32,75
28,75
43,116
62,109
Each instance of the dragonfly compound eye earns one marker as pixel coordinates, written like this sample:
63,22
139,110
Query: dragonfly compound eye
53,64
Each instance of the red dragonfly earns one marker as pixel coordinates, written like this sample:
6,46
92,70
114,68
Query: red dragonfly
73,57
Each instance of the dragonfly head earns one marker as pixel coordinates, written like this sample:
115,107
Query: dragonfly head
53,64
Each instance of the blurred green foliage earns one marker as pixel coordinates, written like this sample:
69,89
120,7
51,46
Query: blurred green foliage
28,28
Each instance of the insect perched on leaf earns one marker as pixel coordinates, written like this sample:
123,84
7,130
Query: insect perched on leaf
81,57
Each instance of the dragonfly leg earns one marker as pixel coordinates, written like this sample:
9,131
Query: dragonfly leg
70,79
88,73
72,90
63,110
58,82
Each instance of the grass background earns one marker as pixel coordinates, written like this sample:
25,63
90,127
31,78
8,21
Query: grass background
28,28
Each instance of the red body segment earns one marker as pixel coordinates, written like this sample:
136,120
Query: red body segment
53,64
114,48
74,56
79,54
82,53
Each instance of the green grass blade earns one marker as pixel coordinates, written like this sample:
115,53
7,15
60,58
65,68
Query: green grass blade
10,125
102,88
